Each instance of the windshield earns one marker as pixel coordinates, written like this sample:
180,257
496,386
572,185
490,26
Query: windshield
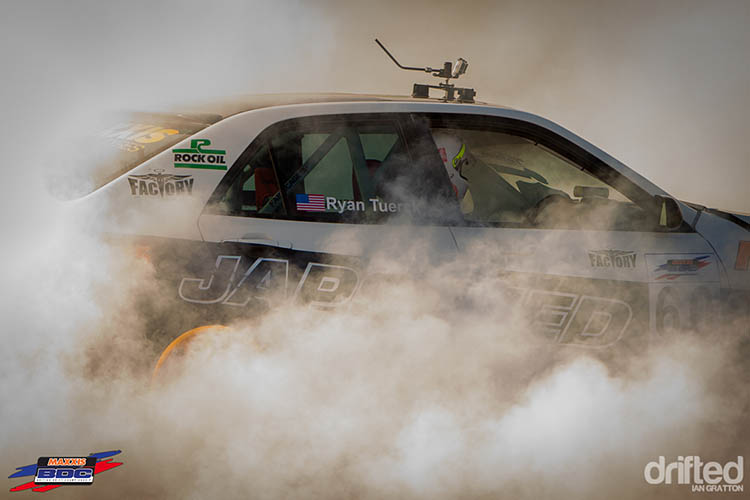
124,141
502,178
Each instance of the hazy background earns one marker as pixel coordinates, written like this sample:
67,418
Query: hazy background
662,86
416,411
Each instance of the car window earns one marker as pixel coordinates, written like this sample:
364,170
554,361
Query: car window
254,188
332,174
336,170
502,178
333,169
377,146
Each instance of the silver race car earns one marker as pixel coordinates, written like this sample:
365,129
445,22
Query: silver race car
256,201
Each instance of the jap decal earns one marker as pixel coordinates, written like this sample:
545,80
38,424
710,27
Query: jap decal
160,184
617,259
199,156
682,267
55,471
563,318
236,282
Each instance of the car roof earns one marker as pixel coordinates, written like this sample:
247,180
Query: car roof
225,107
238,104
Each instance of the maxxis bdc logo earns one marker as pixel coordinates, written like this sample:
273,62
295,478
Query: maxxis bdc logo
52,472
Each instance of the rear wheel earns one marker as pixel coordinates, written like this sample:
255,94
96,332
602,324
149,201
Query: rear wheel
180,345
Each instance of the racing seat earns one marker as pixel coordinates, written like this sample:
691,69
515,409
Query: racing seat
265,185
265,188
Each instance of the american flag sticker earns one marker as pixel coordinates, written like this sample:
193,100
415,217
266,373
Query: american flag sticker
311,203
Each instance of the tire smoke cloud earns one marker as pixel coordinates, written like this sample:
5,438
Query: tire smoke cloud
429,386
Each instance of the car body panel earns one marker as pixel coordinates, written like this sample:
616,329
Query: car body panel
731,243
646,280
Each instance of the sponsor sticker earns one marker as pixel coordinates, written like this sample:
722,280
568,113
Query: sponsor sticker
160,184
51,472
65,470
199,156
616,259
134,137
675,268
682,267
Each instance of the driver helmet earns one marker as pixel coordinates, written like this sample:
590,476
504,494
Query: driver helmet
454,155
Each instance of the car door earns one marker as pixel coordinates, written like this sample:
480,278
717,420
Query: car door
305,207
585,249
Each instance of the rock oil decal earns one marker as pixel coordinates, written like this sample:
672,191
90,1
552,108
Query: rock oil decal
197,156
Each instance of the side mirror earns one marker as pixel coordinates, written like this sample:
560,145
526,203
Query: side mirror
669,214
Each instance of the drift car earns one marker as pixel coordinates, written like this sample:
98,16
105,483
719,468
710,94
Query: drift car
263,200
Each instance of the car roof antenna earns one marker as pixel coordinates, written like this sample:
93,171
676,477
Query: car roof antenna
448,71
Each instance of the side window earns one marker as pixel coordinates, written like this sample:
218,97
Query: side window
505,179
254,189
332,174
347,168
336,170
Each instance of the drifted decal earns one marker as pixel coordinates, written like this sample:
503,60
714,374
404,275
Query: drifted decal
617,259
199,156
160,184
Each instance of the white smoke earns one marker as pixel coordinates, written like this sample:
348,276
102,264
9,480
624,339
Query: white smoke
431,386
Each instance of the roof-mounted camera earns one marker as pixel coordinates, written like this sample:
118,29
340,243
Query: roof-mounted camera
448,71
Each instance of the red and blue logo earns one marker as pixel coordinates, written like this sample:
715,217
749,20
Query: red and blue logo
52,472
675,268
